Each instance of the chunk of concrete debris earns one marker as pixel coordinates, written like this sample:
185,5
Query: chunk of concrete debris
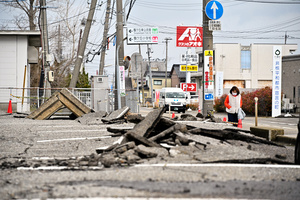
134,118
187,117
145,152
145,127
116,116
121,130
92,118
58,100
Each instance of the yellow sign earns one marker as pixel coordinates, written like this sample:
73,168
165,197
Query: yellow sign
190,68
208,53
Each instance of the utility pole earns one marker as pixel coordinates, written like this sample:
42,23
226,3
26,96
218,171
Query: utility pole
44,30
85,36
150,72
207,45
119,47
285,38
166,41
104,40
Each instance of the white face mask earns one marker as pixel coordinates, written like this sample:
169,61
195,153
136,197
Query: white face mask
234,93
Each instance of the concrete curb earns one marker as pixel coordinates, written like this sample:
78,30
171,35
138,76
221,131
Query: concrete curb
286,139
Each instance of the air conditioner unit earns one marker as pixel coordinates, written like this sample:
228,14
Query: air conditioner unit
99,80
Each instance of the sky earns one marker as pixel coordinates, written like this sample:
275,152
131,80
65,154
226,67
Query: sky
243,21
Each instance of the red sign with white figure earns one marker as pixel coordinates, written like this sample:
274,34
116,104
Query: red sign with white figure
191,87
189,36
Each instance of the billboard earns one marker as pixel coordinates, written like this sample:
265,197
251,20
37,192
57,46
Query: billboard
189,36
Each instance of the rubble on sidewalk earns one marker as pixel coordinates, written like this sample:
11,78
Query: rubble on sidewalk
156,136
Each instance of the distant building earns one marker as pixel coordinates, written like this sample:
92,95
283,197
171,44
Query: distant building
291,80
17,49
247,67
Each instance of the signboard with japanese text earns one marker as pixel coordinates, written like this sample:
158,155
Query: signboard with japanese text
219,84
276,87
191,87
122,81
190,68
192,58
142,35
214,25
208,75
189,36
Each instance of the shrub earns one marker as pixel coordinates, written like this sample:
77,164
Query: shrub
219,103
264,96
193,106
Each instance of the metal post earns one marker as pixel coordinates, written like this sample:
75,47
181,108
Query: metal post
150,73
167,39
256,110
38,97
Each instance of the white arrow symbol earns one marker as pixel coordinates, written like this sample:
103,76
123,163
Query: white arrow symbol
215,8
192,86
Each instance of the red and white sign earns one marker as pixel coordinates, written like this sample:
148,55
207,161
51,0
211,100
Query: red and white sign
191,87
189,36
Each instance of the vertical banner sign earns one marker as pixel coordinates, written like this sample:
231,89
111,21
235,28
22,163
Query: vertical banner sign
122,81
208,75
157,92
189,36
219,84
276,90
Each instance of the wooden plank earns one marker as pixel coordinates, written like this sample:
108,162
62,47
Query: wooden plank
52,100
74,100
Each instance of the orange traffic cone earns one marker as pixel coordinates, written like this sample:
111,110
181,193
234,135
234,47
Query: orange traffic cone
173,115
9,110
240,124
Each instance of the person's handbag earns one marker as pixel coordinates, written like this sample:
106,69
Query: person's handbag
241,114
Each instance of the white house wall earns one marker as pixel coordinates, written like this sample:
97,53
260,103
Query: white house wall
13,56
228,60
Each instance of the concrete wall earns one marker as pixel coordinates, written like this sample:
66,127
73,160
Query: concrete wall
13,56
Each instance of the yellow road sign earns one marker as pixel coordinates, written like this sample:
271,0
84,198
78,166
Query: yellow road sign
208,53
190,68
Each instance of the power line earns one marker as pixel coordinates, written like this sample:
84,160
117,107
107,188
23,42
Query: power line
270,2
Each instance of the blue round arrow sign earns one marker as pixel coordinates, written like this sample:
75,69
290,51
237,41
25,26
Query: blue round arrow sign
214,10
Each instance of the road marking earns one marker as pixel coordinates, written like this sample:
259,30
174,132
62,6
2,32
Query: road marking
218,165
57,168
70,139
66,131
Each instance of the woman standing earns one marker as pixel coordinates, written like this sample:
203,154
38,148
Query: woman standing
232,103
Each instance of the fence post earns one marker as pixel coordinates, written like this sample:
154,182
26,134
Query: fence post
256,110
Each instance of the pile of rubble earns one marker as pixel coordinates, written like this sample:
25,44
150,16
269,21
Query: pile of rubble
159,137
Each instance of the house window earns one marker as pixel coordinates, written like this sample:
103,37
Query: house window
157,82
245,59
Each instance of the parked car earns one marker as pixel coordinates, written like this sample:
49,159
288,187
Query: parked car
173,97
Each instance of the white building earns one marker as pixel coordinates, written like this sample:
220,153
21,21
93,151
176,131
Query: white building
247,67
17,50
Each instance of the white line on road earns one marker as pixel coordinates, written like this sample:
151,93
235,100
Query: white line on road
69,139
218,165
66,131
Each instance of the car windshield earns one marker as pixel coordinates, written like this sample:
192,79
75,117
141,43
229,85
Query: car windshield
194,97
175,95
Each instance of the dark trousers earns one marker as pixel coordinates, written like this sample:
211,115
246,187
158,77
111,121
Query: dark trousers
233,118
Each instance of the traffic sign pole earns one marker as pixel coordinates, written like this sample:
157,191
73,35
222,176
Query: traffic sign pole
207,45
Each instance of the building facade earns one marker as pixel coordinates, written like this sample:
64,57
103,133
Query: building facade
291,80
248,67
17,50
